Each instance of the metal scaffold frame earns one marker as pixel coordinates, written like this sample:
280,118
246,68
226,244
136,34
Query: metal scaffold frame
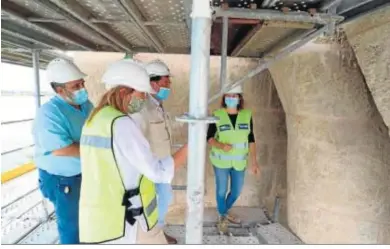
35,56
199,77
273,15
199,82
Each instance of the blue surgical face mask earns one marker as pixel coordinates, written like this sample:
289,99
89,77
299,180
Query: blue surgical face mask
231,102
79,97
163,93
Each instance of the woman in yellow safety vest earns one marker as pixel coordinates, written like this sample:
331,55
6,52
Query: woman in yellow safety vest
231,140
118,198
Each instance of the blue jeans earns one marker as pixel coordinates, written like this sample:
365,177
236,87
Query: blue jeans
64,193
164,199
226,200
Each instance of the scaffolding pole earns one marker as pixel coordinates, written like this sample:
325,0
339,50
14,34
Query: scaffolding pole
199,76
273,15
225,22
35,60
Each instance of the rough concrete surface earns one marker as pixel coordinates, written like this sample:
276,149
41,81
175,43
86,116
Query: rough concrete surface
338,160
370,39
260,96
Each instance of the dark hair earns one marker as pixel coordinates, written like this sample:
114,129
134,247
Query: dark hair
155,78
54,85
240,103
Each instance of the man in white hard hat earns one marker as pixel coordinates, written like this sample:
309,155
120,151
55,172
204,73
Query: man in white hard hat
56,133
154,123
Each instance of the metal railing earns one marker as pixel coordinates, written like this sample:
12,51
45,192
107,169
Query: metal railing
16,121
16,170
17,149
28,219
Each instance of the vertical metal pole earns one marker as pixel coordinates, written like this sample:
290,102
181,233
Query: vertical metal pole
225,22
37,95
35,58
199,76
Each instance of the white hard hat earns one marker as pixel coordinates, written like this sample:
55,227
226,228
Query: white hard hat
237,89
62,71
157,68
127,72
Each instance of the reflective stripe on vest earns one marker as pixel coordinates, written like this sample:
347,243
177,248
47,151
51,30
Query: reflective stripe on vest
151,207
236,136
104,142
102,213
96,141
229,157
240,146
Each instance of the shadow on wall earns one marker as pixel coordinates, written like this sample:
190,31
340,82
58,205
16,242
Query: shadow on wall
260,96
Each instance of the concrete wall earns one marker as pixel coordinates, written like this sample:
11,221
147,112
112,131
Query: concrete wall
370,39
260,96
338,160
271,141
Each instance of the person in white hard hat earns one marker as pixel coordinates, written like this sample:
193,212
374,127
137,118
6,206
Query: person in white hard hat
56,134
118,202
232,141
155,124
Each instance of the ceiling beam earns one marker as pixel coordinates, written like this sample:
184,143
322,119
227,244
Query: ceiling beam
107,21
368,12
46,53
241,45
46,20
27,55
18,63
188,8
134,14
348,5
39,27
24,58
280,44
19,35
329,4
73,12
16,42
12,47
274,15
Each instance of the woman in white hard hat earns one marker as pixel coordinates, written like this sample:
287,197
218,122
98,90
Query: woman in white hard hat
118,197
231,140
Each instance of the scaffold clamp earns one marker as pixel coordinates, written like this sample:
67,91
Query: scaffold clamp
187,118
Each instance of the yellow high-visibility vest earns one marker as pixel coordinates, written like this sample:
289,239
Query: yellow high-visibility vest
104,206
237,136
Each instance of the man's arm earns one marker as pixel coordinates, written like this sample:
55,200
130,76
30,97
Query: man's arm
52,135
72,150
